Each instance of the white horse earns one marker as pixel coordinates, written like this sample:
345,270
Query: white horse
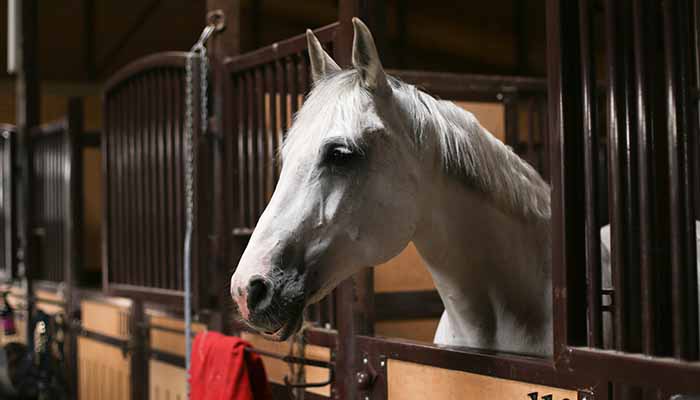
371,164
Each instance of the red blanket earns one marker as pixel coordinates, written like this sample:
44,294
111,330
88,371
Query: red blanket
222,370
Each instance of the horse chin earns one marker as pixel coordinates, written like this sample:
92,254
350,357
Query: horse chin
287,330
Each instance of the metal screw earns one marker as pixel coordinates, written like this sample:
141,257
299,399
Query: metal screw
365,360
499,96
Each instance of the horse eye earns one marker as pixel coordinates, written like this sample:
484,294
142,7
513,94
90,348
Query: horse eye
339,156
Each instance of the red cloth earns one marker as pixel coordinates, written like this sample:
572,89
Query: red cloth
222,370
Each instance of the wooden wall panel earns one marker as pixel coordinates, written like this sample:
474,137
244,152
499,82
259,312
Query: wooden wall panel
415,329
405,272
492,116
166,340
407,381
103,371
105,319
166,381
276,369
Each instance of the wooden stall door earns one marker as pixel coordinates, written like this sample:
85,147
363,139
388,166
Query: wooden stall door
104,370
166,370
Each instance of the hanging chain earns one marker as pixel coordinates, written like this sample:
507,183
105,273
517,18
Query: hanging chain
199,50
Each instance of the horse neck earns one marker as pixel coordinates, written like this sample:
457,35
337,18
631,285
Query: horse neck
485,255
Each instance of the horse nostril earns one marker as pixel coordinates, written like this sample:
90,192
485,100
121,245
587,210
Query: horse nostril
258,293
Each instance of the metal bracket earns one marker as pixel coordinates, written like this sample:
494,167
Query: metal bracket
303,361
218,19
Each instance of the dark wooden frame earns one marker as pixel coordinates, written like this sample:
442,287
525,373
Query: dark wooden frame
9,210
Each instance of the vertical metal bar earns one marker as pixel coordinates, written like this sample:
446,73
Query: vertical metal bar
627,316
260,138
51,264
147,173
179,175
135,230
282,99
590,149
250,149
272,144
292,86
645,192
683,267
568,244
107,170
242,132
153,172
161,188
141,172
166,142
120,221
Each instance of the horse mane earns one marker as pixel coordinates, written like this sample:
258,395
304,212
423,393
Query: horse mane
470,152
467,150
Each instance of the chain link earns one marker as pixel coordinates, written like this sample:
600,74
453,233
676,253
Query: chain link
199,51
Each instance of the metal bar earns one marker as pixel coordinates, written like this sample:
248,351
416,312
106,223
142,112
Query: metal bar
590,149
119,198
292,87
282,101
683,277
619,146
167,139
142,172
645,194
158,188
250,150
272,144
568,252
241,153
108,170
260,136
149,174
135,232
177,161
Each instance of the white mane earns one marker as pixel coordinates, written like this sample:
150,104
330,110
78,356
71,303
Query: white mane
467,150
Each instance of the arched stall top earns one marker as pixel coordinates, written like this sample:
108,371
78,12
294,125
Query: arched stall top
8,230
142,147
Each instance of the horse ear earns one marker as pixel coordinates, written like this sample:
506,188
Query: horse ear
366,59
321,63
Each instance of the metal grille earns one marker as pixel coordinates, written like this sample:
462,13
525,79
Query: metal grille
7,192
641,58
266,87
143,170
50,185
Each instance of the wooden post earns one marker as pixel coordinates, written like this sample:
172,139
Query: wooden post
224,248
73,261
138,349
27,95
